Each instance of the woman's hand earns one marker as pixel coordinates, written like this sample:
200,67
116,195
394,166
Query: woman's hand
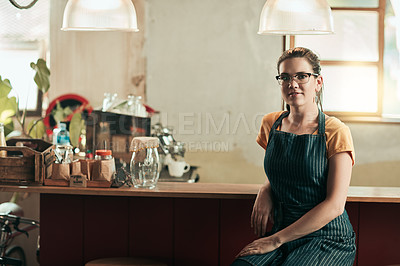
262,211
260,246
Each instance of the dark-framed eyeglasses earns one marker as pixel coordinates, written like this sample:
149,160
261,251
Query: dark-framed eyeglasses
300,78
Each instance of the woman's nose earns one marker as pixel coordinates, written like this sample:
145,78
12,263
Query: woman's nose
292,83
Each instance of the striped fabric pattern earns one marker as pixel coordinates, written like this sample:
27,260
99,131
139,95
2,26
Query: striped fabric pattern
297,168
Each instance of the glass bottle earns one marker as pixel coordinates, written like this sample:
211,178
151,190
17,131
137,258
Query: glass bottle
63,135
145,163
3,153
106,101
139,109
56,130
130,105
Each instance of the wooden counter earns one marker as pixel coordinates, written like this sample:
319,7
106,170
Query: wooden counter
187,224
204,190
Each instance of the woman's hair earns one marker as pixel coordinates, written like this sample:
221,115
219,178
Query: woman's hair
312,58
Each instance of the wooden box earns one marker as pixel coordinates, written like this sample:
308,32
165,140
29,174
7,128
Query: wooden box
29,164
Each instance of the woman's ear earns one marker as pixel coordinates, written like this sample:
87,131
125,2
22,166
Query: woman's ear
320,82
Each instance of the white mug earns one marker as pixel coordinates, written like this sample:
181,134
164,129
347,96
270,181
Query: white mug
178,168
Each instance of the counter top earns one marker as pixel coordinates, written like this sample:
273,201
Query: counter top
203,190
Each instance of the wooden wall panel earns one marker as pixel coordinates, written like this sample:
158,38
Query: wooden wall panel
196,232
179,231
379,234
151,227
61,230
353,210
235,230
106,227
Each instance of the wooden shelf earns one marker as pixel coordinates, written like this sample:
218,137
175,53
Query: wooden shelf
203,190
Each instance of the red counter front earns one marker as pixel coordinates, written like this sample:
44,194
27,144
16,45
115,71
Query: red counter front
188,224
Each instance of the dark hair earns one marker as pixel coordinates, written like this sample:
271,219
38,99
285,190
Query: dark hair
312,58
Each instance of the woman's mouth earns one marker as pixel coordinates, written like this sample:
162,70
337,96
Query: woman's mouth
294,94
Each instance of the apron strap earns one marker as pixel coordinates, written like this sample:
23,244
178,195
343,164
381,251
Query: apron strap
321,123
279,120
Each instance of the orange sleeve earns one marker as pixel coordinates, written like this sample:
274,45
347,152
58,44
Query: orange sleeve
338,138
266,125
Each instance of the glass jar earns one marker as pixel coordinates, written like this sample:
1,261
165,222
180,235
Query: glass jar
103,155
104,167
145,163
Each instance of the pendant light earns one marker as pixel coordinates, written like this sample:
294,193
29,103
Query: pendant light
292,17
103,15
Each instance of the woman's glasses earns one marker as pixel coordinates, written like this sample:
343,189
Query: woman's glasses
299,78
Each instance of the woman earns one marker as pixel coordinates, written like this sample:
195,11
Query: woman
308,162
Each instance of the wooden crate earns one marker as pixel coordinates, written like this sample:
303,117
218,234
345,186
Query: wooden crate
29,164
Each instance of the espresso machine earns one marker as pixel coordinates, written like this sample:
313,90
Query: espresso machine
170,149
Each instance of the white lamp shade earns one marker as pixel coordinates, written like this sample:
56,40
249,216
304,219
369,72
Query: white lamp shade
291,17
103,15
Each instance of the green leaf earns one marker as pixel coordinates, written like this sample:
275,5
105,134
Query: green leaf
42,75
8,107
8,127
5,87
121,105
60,114
67,111
37,130
75,128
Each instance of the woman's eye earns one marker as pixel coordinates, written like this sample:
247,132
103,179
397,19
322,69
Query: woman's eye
285,78
302,76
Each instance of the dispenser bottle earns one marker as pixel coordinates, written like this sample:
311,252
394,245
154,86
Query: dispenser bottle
3,143
63,135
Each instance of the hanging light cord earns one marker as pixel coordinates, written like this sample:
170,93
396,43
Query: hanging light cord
14,3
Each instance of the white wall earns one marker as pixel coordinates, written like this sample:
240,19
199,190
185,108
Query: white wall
91,63
212,77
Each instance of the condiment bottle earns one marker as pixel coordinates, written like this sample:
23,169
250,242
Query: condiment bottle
145,162
3,153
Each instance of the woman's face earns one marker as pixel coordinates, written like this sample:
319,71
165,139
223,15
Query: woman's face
296,94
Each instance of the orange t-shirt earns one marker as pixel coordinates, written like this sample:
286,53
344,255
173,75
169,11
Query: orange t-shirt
338,135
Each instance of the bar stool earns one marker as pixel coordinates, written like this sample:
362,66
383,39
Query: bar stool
124,261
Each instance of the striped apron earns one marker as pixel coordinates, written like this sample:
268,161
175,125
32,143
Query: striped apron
297,168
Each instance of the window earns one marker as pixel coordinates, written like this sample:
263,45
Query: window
23,39
360,62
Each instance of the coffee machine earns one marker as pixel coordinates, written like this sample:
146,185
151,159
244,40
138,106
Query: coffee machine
170,149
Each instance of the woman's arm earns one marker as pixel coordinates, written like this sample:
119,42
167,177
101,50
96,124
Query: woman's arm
339,175
262,210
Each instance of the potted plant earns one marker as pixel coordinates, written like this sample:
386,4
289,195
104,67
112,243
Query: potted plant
9,106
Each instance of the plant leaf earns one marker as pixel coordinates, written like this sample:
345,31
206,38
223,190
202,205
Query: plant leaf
37,130
59,113
75,128
121,105
5,87
42,75
8,107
